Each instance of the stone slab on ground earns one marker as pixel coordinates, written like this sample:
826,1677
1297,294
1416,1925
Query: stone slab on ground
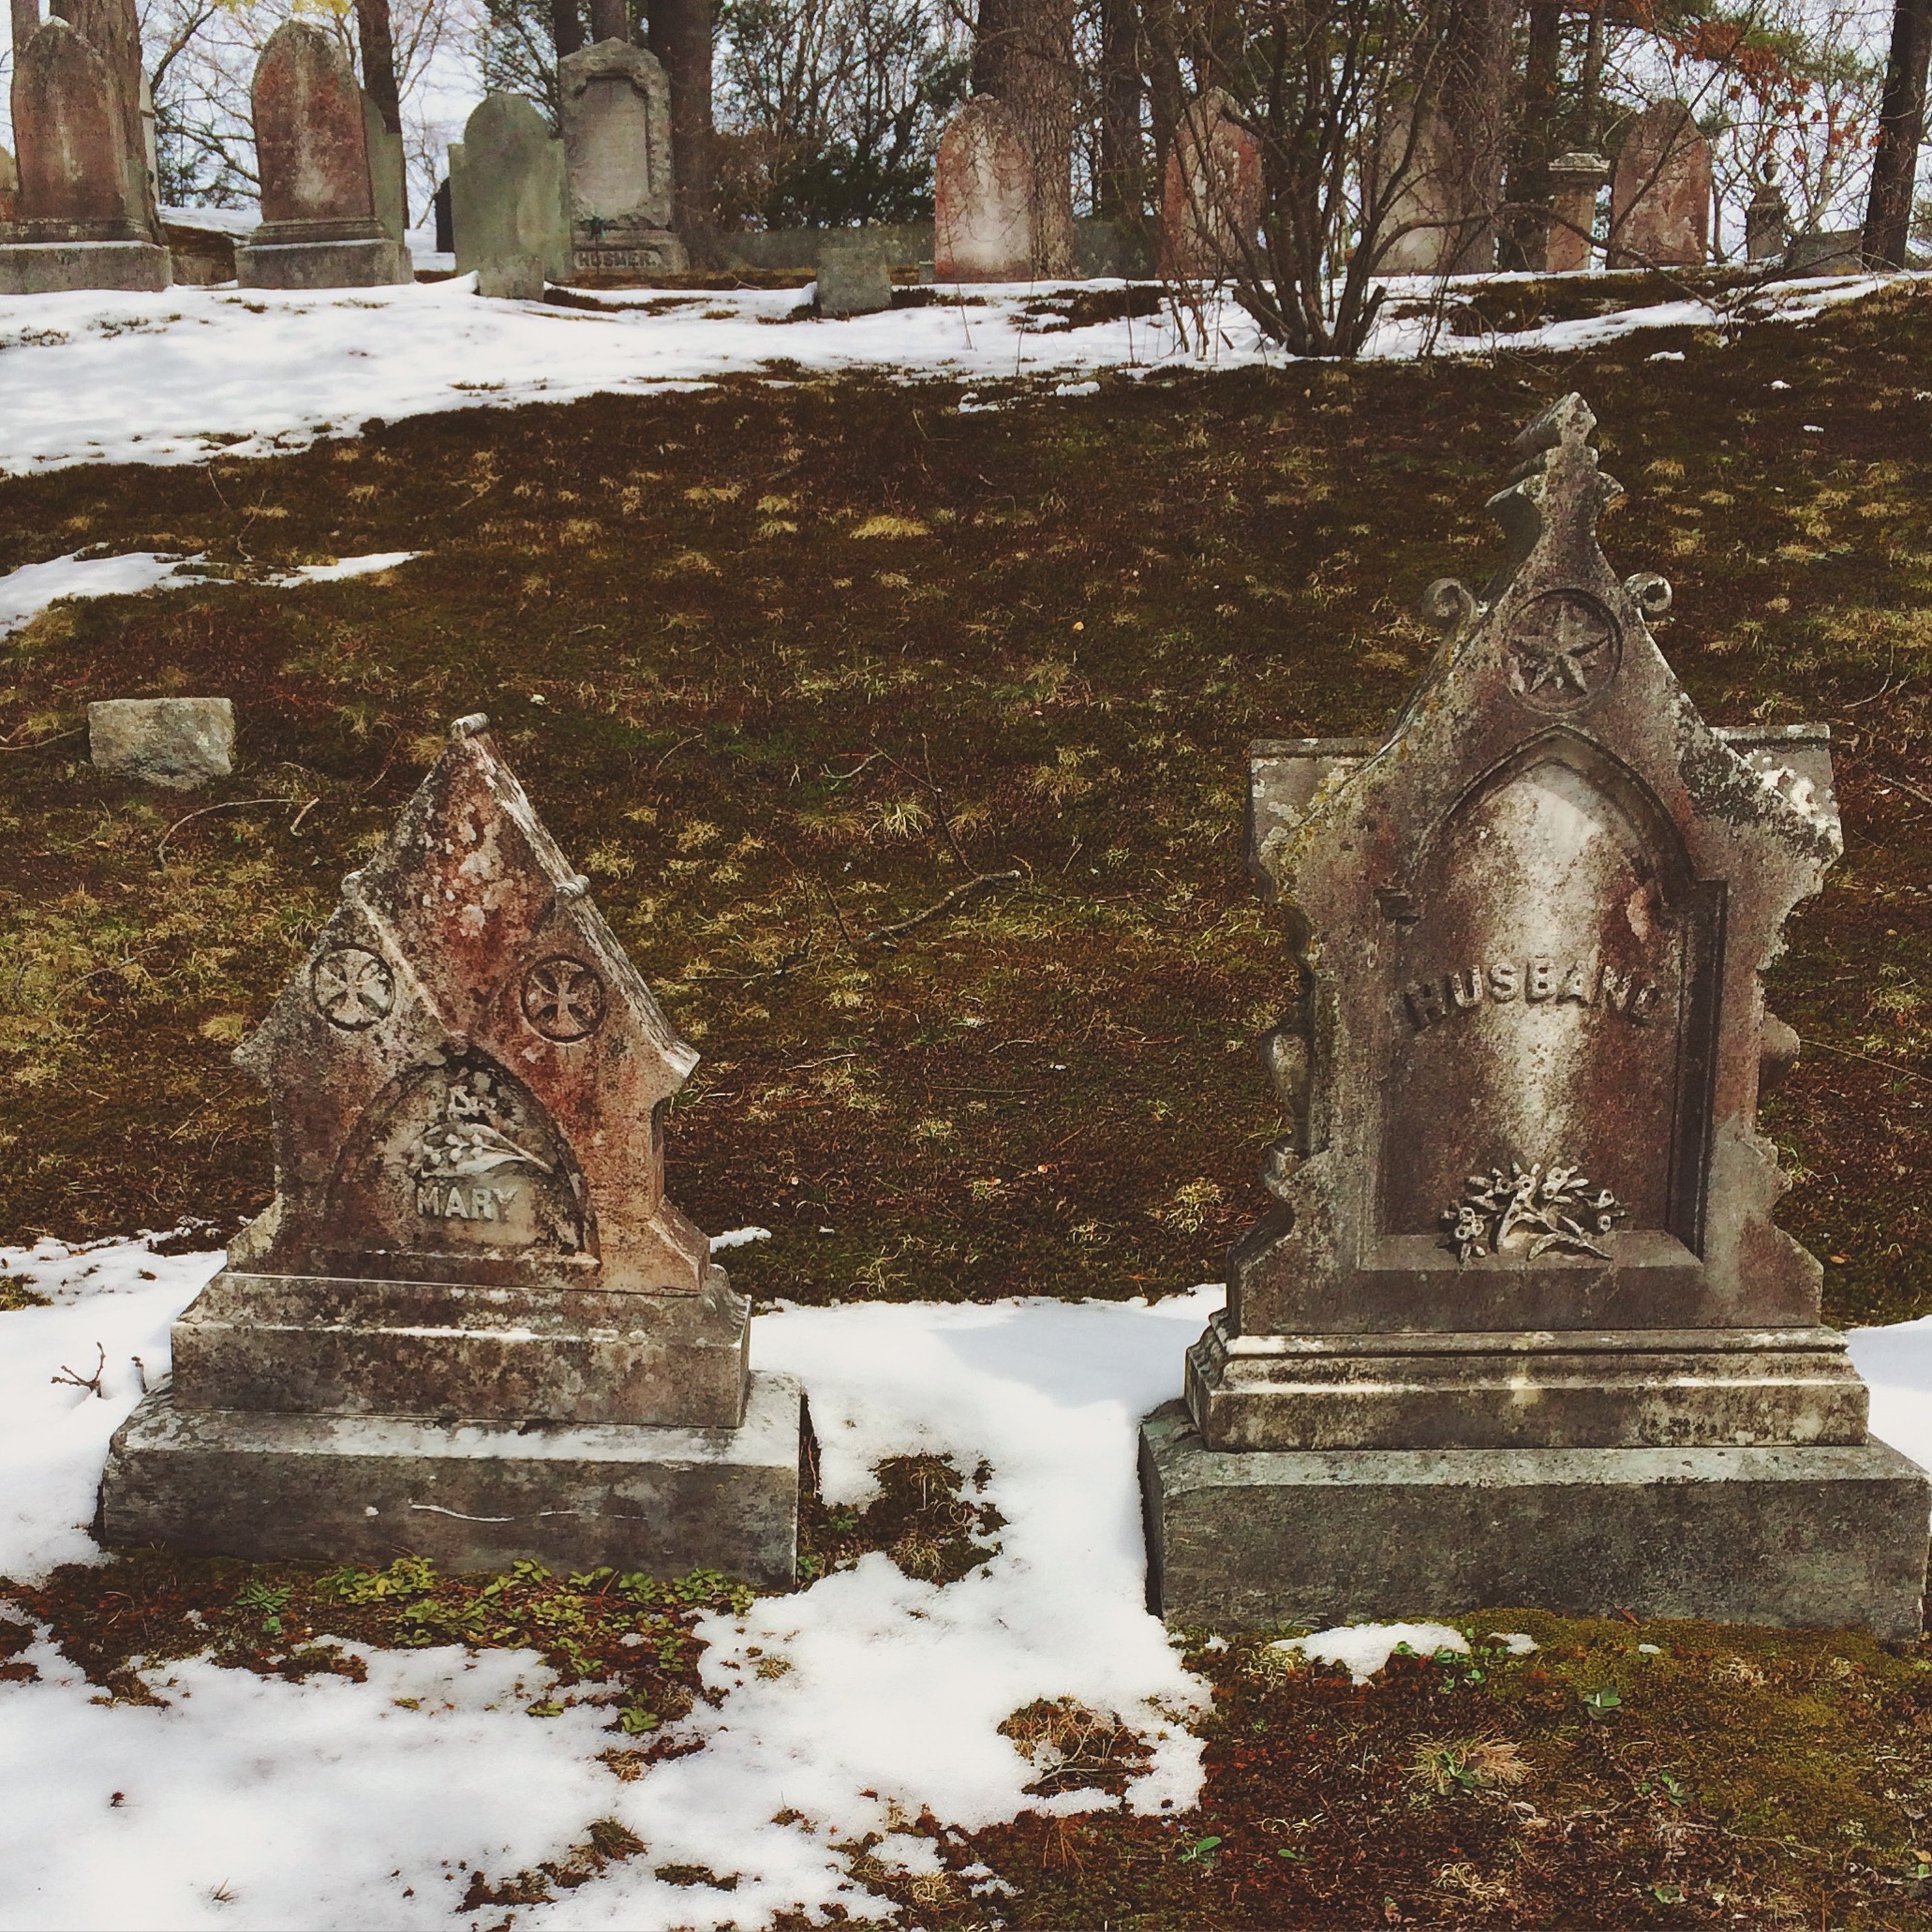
51,268
178,743
366,262
1808,1538
467,1495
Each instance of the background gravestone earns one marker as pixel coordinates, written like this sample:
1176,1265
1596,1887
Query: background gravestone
472,1323
983,221
1521,1328
324,224
9,186
508,200
854,277
1575,180
1210,201
83,215
616,143
1660,195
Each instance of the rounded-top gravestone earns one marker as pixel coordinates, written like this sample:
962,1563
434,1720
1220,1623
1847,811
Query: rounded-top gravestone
983,218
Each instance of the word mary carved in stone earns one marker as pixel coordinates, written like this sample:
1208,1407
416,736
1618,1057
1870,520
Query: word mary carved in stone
472,1323
1521,1328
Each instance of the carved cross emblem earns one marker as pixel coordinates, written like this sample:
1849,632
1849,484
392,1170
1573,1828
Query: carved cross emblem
562,998
353,986
1563,650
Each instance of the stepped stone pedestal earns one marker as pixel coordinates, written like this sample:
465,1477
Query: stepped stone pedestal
1520,1329
471,1325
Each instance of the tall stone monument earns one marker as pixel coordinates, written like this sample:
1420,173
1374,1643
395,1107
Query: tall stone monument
508,200
330,173
84,214
616,141
1211,197
1575,179
471,1325
1520,1329
1660,195
983,197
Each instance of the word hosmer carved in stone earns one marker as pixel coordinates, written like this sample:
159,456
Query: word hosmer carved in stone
1521,1328
472,1324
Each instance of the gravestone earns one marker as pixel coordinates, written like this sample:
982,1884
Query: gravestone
1210,198
1767,219
983,220
1425,211
509,205
854,278
1520,1329
1838,251
9,186
616,143
1575,181
178,743
472,1324
1661,194
84,215
330,218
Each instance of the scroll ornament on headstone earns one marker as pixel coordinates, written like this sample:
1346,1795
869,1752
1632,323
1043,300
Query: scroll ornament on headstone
469,1081
1521,1328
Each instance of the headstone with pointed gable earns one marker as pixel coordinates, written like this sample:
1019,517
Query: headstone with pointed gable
617,142
1521,1328
472,1324
330,173
83,212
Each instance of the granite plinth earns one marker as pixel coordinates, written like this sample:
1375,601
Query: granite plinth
369,261
1810,1537
341,1347
46,268
468,1495
618,253
1628,1389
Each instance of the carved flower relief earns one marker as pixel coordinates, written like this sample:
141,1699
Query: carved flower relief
1541,1209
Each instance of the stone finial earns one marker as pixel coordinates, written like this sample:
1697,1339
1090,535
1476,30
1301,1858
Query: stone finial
467,1074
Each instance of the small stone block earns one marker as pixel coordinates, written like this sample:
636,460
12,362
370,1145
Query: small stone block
467,1495
179,742
373,263
853,277
1800,1537
51,268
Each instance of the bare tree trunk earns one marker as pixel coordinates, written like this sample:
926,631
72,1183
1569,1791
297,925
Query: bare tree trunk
681,38
26,24
610,19
1167,97
1901,128
379,60
566,27
1122,184
1475,97
1023,56
1526,236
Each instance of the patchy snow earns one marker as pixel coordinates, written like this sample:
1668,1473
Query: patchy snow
26,592
96,376
324,1804
738,1238
252,1801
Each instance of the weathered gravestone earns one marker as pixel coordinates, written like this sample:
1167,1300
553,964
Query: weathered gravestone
1660,195
854,277
508,200
9,186
983,186
1521,1328
616,141
1767,219
1210,198
471,1325
331,173
1575,180
84,213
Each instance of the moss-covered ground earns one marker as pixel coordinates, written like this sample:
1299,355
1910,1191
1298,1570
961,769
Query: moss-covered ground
904,747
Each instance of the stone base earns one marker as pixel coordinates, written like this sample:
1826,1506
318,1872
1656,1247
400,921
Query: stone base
1562,1388
46,268
1816,1538
372,263
625,257
473,1496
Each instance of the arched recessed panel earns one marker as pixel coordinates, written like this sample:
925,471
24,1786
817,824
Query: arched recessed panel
1555,955
456,1159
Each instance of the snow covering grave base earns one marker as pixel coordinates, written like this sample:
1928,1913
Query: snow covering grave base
1805,1537
468,1495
